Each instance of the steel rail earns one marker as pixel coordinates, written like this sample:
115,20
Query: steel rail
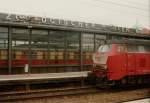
45,93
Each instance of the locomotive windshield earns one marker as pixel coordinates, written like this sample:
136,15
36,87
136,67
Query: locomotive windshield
104,48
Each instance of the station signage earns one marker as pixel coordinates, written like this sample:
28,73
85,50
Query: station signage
44,20
60,22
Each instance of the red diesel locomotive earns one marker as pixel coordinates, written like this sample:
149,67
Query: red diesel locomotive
123,62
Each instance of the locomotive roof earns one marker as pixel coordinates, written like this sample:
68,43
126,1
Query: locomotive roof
134,42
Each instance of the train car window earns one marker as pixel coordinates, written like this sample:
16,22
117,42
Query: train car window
39,55
71,55
3,55
60,55
18,55
52,55
104,48
88,56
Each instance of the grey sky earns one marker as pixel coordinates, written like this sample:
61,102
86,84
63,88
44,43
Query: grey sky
116,12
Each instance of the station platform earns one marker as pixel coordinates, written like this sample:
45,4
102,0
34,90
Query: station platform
44,76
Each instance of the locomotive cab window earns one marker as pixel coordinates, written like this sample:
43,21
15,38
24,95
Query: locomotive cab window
104,48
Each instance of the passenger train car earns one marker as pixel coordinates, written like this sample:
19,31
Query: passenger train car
124,61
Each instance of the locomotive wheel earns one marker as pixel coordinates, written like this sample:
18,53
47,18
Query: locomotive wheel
124,81
139,81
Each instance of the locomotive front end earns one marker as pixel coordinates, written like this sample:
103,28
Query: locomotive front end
100,60
101,56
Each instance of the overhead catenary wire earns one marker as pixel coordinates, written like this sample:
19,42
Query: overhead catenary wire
122,4
114,10
134,3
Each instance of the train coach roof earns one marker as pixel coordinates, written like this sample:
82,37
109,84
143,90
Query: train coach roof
135,42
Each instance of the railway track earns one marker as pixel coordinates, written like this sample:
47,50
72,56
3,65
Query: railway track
20,95
55,92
